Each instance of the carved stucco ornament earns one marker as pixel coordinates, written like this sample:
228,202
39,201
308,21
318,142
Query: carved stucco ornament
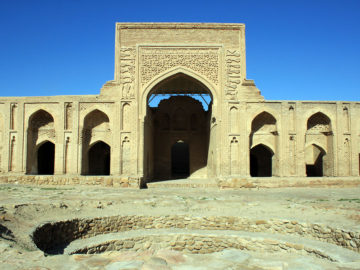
156,60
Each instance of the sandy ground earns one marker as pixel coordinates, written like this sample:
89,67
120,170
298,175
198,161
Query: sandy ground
22,208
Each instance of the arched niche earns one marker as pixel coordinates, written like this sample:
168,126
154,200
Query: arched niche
96,127
318,123
96,120
263,123
263,137
41,130
41,120
126,117
319,142
233,121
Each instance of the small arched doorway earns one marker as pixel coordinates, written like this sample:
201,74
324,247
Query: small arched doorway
261,161
314,161
99,159
319,160
180,160
40,157
45,158
96,129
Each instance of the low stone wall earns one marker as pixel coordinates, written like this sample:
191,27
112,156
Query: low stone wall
52,237
223,183
107,181
200,244
275,182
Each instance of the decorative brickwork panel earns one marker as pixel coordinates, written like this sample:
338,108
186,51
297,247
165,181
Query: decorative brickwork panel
292,154
234,156
127,121
12,157
68,116
347,156
292,119
126,156
232,58
346,119
13,116
94,105
233,122
127,72
155,60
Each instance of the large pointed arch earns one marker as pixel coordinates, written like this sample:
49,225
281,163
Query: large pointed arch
170,73
189,121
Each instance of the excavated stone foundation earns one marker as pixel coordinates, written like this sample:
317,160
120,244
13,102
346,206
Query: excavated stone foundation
189,234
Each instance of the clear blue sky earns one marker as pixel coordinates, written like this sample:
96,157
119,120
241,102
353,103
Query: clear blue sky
296,50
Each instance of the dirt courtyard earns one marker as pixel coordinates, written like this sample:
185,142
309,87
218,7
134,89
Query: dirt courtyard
271,230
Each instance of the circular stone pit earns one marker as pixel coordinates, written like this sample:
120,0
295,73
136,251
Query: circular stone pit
199,235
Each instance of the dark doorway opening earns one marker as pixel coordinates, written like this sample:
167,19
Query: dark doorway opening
316,169
45,158
99,159
261,161
180,164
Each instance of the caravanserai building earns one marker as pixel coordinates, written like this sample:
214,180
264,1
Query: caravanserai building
211,122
